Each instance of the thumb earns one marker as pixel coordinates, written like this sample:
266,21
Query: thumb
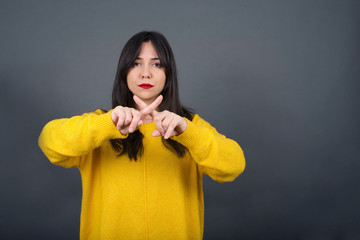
156,133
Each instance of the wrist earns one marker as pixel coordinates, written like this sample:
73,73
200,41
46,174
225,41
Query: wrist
182,127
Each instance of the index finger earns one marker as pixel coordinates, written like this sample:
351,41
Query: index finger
139,102
150,108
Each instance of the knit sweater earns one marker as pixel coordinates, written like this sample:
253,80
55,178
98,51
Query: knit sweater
160,195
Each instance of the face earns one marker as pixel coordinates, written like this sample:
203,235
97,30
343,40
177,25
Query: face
146,79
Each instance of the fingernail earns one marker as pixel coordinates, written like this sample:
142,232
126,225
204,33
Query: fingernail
131,129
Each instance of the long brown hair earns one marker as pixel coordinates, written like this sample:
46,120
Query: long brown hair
121,95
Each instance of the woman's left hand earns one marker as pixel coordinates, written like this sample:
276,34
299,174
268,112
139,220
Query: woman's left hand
167,123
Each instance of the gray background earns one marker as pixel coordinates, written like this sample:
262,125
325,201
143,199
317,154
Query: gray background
279,77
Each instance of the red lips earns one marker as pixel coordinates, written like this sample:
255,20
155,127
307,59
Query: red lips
145,85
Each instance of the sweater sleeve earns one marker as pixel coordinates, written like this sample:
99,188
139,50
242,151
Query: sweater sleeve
217,156
65,141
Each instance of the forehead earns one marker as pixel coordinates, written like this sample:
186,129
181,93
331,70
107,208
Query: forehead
147,51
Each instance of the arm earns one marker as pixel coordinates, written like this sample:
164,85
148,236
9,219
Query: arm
217,156
64,141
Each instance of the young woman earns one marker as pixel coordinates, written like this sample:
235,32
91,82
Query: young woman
142,162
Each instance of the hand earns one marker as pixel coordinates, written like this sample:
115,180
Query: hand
127,120
167,123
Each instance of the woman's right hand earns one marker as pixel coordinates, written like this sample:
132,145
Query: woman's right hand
127,120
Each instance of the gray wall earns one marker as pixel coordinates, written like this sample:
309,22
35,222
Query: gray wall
279,77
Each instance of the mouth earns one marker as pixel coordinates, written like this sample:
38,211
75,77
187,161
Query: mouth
145,85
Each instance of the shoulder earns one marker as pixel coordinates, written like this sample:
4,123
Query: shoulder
100,111
97,112
200,121
197,119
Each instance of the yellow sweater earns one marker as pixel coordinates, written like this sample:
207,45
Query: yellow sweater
157,197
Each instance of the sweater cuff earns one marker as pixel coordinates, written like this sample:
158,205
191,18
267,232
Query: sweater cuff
108,127
192,136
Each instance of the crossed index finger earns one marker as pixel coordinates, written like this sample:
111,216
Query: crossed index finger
147,109
139,102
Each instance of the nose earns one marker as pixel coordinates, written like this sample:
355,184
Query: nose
146,73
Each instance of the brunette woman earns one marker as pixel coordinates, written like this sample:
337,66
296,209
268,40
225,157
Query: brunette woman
142,162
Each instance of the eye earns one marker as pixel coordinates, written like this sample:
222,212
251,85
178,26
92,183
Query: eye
136,64
158,65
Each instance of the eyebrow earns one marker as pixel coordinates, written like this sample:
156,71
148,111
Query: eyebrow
151,59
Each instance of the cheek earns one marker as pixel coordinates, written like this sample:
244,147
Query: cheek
163,78
130,78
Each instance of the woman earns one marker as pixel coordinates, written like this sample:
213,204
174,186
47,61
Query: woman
142,162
